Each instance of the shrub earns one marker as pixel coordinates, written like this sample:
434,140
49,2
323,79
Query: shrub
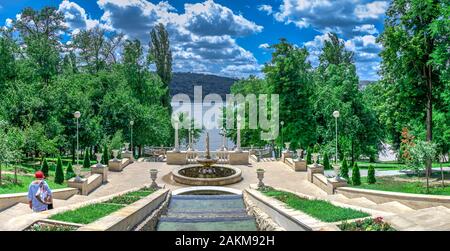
326,161
371,175
344,169
45,168
59,173
105,157
69,172
308,157
356,176
87,161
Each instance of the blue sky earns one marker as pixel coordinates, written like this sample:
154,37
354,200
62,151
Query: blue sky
229,37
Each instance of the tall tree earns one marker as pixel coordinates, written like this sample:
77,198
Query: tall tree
408,69
40,32
161,55
289,75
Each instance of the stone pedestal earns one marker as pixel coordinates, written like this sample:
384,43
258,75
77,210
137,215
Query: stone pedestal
82,186
102,170
238,158
299,165
118,164
312,169
129,155
333,183
286,154
176,158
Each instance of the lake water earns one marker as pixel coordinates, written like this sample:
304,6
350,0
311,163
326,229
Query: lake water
215,139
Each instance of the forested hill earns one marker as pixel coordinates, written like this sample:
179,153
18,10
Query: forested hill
185,82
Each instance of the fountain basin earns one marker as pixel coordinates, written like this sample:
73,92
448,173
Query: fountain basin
191,175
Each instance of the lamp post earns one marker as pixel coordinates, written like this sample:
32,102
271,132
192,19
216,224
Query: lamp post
336,115
282,136
77,115
131,126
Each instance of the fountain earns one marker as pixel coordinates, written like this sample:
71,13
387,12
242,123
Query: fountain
207,173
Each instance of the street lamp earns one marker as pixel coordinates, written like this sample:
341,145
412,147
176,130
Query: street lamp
282,138
336,115
132,149
77,115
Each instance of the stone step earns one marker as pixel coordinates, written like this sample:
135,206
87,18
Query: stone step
362,201
211,214
218,224
16,210
394,207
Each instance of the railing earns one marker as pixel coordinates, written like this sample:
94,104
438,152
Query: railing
221,156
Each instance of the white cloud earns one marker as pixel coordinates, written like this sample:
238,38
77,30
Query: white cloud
366,28
202,37
211,19
76,18
265,8
328,15
264,46
371,10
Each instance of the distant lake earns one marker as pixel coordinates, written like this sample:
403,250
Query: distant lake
215,139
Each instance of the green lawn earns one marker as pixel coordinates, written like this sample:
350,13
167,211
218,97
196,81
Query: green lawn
409,185
87,214
390,165
91,213
319,209
8,186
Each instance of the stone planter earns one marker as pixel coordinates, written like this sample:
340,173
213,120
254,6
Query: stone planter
260,175
315,157
299,154
99,159
115,154
153,176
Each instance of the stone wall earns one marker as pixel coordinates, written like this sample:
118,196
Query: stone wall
8,200
263,221
151,222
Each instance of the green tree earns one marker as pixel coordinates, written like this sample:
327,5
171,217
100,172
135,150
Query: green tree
106,154
308,157
69,171
86,160
326,161
371,175
289,75
344,169
45,167
161,54
59,172
411,69
356,175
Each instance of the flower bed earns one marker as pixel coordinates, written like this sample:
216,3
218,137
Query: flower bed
369,224
47,226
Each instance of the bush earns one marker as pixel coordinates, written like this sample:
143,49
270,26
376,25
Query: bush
45,168
371,175
308,157
356,176
326,162
59,173
87,161
344,169
69,172
105,157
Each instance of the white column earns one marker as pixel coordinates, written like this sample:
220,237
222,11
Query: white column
177,142
238,140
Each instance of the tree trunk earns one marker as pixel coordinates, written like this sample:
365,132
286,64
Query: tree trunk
0,174
15,174
442,173
429,120
140,151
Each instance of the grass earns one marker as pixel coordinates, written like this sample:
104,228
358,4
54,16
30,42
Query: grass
91,213
319,209
407,184
8,186
87,214
391,165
